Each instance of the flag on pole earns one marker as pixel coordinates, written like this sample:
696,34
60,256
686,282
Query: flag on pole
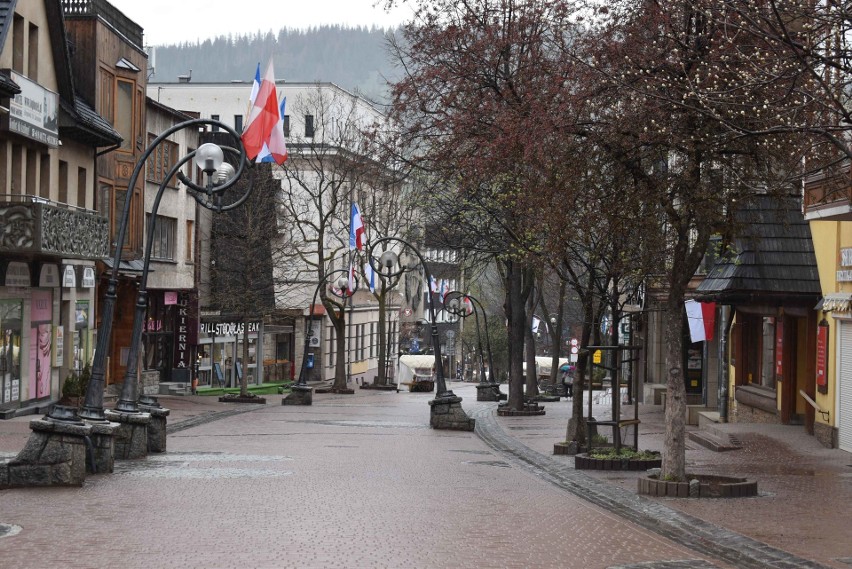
433,284
701,317
371,276
356,229
445,289
255,86
535,323
276,140
263,120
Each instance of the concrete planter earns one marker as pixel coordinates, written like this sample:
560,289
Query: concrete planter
699,486
585,462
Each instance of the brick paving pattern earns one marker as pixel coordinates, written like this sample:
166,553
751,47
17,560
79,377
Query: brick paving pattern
362,481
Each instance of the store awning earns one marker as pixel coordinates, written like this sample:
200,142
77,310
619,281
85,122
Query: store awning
835,302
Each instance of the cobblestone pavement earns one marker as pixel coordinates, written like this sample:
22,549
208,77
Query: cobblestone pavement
362,481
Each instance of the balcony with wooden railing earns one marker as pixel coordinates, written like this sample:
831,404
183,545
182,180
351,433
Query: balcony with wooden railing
829,196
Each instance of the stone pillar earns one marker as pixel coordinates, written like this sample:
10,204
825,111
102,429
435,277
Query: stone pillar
157,426
299,395
131,437
103,446
55,455
488,392
447,413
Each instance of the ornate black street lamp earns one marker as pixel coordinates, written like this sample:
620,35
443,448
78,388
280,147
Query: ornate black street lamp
220,177
476,304
454,305
342,284
390,266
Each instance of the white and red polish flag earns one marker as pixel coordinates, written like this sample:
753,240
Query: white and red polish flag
264,117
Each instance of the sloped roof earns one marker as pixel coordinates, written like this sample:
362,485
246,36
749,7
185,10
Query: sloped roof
81,122
772,260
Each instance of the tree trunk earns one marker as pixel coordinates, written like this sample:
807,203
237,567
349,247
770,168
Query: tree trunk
514,309
382,378
674,457
244,392
555,331
340,342
531,380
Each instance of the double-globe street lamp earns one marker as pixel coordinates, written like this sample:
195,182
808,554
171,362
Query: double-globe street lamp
486,390
341,284
446,410
454,304
220,177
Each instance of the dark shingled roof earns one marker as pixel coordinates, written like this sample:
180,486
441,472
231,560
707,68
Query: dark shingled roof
771,261
86,125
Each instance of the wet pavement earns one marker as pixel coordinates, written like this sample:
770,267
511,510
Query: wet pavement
362,481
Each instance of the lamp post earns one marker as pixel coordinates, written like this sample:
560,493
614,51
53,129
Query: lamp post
446,407
453,305
490,390
220,177
343,285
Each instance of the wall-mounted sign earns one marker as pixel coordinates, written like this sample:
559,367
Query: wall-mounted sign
17,274
48,277
228,328
846,257
33,112
88,277
822,357
170,297
69,276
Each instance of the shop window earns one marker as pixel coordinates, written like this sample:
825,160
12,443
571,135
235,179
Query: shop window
10,351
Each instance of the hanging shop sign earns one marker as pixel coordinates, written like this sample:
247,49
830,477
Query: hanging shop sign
69,276
822,357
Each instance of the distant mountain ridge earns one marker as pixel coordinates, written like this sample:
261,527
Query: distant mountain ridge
354,58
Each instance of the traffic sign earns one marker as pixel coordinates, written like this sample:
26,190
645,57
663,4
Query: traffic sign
596,357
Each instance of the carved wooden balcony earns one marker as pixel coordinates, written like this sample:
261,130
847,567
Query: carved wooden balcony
35,225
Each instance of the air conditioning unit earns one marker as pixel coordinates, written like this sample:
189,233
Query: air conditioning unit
314,342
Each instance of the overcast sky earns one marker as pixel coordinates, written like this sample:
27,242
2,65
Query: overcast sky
177,21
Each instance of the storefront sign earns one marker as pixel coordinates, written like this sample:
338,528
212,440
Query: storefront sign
49,276
228,328
170,297
69,276
33,112
88,277
17,274
181,348
822,357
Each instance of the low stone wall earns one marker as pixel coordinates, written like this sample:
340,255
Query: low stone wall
705,487
583,462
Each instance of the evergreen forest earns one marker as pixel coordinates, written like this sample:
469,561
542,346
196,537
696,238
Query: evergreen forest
355,58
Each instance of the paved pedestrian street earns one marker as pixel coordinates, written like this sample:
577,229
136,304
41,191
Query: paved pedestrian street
353,481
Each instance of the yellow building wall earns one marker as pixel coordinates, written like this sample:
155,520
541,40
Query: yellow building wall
828,238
